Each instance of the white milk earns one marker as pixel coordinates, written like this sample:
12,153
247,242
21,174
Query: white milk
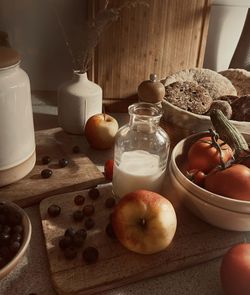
138,170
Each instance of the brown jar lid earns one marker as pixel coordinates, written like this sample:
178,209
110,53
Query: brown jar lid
8,57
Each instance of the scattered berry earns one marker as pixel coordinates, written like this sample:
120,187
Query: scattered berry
94,193
70,253
89,223
65,242
76,149
90,255
110,202
78,215
82,232
46,160
88,210
109,231
78,240
46,173
69,232
79,200
63,163
54,210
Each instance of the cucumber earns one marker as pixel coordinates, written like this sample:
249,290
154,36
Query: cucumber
228,132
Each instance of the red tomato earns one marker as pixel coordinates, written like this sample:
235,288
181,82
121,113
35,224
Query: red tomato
204,156
197,177
232,182
108,169
235,270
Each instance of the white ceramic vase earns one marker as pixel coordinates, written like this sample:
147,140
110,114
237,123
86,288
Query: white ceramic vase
78,100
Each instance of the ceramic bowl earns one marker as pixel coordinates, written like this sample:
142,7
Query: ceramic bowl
26,239
210,213
187,189
192,123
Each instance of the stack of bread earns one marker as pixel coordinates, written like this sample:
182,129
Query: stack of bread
200,90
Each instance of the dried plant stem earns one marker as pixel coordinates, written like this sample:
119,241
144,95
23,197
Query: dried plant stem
64,35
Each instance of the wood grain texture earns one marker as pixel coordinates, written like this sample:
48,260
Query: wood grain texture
194,242
81,173
167,36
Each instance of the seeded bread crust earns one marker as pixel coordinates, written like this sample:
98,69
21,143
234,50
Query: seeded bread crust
216,84
241,109
222,105
188,96
240,78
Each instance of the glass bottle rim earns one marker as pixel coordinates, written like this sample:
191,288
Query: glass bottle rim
145,109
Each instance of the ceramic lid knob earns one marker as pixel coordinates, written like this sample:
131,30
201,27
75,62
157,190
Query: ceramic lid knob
8,57
151,90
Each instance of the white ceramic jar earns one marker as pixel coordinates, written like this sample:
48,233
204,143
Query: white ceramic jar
78,100
17,140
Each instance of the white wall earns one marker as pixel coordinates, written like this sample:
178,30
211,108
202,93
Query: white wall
33,30
226,22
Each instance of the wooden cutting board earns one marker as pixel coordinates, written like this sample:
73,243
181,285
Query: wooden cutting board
80,173
194,242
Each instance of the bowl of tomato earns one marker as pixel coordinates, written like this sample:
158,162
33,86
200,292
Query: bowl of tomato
192,175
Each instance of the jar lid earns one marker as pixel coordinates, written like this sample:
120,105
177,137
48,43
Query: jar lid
8,57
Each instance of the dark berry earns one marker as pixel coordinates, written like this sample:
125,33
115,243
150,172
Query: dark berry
2,262
15,237
88,210
17,229
54,210
110,202
4,238
46,173
110,231
82,232
94,193
65,242
89,223
15,246
2,219
46,160
70,253
79,200
76,149
14,218
5,252
78,215
90,255
78,240
69,232
63,163
6,229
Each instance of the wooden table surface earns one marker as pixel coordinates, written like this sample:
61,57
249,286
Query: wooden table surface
32,273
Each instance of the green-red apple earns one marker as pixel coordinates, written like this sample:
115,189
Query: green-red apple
100,131
144,222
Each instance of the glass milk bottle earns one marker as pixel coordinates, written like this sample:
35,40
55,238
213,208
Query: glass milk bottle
141,151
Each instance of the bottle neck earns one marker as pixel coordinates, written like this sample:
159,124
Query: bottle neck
77,76
144,117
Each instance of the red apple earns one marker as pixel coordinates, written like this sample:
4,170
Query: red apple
108,169
144,222
100,131
235,270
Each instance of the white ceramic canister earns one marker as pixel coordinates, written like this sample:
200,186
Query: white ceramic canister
78,100
17,140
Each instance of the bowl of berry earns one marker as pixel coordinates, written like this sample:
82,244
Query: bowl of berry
15,234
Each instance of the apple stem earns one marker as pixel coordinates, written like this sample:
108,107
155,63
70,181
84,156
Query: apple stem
142,222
